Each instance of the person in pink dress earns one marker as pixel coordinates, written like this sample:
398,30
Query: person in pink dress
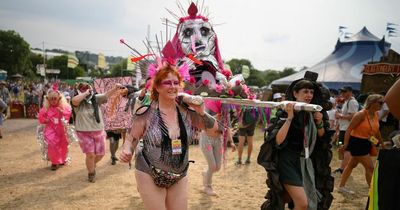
55,109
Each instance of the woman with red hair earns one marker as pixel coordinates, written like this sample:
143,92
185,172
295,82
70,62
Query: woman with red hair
166,129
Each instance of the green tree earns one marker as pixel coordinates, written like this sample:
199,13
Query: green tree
78,71
119,69
236,65
287,71
14,54
60,62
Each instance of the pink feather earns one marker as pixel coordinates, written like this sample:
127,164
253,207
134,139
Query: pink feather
184,71
152,70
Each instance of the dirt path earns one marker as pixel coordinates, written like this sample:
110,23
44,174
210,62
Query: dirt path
27,183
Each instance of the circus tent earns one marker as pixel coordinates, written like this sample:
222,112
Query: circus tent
345,64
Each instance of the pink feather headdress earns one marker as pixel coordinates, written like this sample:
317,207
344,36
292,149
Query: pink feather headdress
169,58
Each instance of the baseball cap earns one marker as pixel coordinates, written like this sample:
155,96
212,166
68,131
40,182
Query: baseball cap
346,88
277,95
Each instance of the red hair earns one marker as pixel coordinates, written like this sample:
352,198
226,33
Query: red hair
161,74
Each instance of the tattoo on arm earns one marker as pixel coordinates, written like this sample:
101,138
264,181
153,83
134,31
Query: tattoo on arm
208,121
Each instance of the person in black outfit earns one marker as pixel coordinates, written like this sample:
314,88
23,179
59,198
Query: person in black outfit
296,153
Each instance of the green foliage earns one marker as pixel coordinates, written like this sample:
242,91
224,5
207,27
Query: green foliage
79,71
35,59
286,72
14,54
258,78
236,65
119,69
60,62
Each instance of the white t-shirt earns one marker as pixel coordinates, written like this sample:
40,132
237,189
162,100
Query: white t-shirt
382,110
349,107
332,118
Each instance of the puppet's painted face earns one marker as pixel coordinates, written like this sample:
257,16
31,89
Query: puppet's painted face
197,37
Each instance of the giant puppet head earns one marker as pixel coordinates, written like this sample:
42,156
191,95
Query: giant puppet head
197,45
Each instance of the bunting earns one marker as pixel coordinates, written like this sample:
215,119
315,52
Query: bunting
391,29
72,61
102,64
129,64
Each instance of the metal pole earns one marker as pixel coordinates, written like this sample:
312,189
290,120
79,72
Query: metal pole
44,62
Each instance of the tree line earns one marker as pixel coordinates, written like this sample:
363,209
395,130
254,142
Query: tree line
16,57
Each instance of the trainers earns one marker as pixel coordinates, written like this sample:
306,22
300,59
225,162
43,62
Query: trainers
337,172
91,177
345,190
247,161
209,191
238,162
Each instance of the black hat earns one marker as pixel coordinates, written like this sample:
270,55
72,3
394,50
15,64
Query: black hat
346,88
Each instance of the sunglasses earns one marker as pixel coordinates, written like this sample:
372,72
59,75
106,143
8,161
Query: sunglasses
52,98
170,83
381,102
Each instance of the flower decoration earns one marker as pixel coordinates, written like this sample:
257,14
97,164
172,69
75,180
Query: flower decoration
219,88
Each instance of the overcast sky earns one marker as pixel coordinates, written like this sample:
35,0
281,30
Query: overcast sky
272,34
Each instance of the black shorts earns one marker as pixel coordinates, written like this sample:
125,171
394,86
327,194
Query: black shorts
115,136
341,137
359,146
248,130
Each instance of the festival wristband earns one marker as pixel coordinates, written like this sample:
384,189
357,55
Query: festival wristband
320,125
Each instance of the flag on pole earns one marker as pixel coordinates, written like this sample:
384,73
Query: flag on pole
72,61
102,64
129,64
347,35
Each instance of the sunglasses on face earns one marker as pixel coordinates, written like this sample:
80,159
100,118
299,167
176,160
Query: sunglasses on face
52,98
170,83
381,102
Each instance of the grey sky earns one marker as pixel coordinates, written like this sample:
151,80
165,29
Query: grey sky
272,34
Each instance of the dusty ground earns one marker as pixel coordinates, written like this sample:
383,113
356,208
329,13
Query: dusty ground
27,183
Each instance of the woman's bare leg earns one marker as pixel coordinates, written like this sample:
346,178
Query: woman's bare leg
153,197
177,195
298,196
369,168
347,171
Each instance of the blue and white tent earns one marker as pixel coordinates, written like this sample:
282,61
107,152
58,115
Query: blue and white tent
344,65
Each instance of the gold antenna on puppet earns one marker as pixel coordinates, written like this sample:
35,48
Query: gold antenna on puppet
207,12
170,23
201,8
122,41
166,30
180,7
161,38
158,45
173,14
149,47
